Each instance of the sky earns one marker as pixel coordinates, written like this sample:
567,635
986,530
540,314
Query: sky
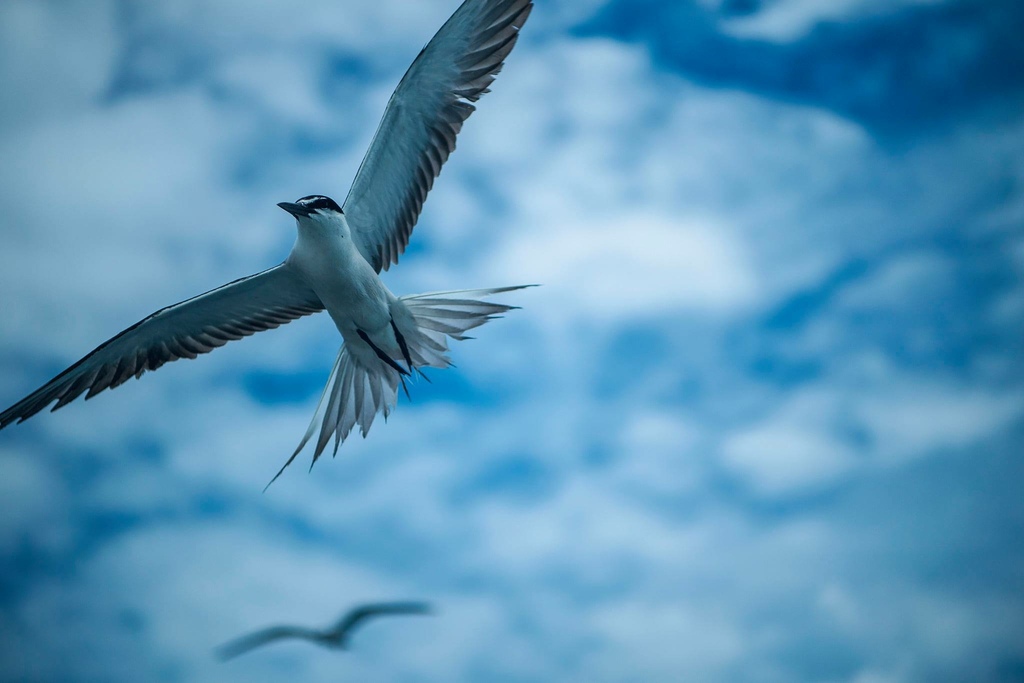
761,423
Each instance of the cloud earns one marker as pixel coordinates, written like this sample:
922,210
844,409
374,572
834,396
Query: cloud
777,460
633,266
909,422
789,20
659,454
825,432
652,634
889,66
43,83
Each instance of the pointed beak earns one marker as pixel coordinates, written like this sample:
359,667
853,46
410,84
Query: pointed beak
294,209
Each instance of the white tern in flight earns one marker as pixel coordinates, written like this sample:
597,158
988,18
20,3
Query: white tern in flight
339,253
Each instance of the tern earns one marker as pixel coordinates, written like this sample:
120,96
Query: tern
335,637
339,253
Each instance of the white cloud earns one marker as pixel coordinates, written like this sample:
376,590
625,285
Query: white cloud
787,20
363,26
660,454
908,422
41,83
631,266
782,460
868,416
637,173
907,283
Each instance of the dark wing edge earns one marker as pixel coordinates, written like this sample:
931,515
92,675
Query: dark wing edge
359,615
240,646
187,329
425,114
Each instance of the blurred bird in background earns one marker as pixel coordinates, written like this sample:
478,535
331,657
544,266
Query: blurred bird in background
336,637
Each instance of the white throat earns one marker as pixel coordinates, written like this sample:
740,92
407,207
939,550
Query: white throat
324,224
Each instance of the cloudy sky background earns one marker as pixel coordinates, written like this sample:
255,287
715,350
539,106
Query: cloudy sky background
763,422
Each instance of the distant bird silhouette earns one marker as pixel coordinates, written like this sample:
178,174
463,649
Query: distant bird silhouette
336,637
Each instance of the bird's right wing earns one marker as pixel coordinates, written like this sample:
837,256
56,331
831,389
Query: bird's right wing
422,118
360,614
185,330
241,645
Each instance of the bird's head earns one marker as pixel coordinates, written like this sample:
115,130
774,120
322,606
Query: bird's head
317,210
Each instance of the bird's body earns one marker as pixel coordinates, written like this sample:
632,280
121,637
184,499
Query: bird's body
352,292
339,253
335,637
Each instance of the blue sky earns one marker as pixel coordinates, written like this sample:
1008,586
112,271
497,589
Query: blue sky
762,423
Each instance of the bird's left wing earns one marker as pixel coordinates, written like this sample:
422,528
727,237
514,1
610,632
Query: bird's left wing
241,645
425,113
185,330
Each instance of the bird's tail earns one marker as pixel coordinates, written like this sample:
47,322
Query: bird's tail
358,388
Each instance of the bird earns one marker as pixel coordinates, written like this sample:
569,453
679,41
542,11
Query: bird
339,253
335,637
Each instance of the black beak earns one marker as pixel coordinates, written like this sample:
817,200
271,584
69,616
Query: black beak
295,209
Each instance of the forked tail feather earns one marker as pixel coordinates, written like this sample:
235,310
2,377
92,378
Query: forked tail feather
358,389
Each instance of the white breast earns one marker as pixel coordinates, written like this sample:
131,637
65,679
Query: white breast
333,267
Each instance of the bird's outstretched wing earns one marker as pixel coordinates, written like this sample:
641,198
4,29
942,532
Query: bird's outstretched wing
241,645
185,330
421,121
359,615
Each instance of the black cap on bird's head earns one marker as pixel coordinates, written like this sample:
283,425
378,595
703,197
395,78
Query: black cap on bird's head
308,205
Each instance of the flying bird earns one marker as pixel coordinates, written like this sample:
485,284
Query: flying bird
335,637
339,253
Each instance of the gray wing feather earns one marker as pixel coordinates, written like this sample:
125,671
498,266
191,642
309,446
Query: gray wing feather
422,120
185,330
